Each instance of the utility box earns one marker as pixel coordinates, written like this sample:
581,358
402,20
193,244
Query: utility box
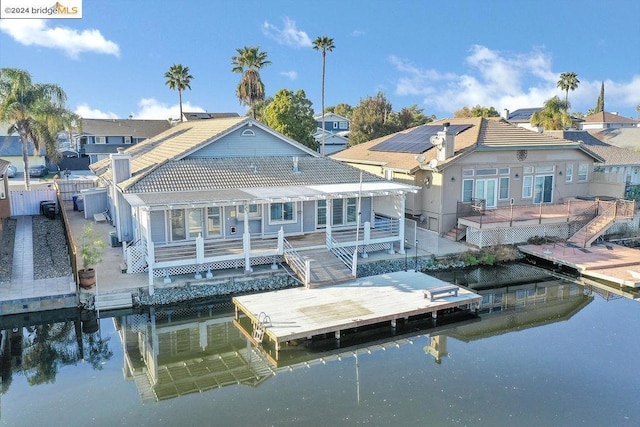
113,238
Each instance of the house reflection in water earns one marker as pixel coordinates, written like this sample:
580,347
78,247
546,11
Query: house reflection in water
169,353
174,352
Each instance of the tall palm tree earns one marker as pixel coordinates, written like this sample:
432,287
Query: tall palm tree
35,111
568,81
553,116
178,77
249,62
325,44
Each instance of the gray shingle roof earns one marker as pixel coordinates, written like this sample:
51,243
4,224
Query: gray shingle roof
246,172
124,127
610,154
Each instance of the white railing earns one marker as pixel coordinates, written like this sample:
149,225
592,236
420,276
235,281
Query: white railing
343,253
299,265
385,223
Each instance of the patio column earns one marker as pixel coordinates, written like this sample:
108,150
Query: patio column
402,198
150,257
327,229
246,241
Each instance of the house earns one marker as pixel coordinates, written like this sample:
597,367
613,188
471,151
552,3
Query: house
606,120
101,137
230,192
11,151
5,203
522,118
332,141
336,133
619,137
619,165
469,166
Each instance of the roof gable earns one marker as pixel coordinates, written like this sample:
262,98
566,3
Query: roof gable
605,117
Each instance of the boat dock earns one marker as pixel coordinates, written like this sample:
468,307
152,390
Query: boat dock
609,262
302,313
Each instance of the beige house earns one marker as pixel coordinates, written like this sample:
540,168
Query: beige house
478,166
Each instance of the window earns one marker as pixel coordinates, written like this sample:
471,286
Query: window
335,125
545,169
282,212
321,213
194,218
486,189
254,211
344,125
176,221
543,189
127,140
214,228
503,171
480,172
352,210
101,139
527,186
503,192
248,132
467,172
568,177
583,172
467,190
527,170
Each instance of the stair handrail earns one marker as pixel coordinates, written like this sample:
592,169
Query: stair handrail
296,261
341,252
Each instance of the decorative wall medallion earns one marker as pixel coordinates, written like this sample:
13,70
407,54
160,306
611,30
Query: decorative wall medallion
521,155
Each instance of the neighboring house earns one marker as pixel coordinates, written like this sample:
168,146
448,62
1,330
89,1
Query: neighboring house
620,137
336,132
605,120
5,203
11,151
476,164
332,141
202,115
522,118
101,137
227,193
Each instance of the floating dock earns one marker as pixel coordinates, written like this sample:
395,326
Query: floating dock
612,263
301,313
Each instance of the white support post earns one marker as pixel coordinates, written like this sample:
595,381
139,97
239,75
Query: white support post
307,272
281,241
401,224
199,249
150,261
246,237
328,225
367,239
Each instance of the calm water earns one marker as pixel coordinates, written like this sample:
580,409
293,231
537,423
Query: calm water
543,353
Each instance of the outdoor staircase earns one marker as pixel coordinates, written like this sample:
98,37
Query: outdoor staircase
456,233
595,228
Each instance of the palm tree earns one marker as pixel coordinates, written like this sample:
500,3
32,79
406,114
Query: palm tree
553,116
249,62
35,111
178,77
568,81
325,44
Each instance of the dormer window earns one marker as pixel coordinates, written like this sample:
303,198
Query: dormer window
248,132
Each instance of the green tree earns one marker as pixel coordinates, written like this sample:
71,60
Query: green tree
249,62
409,117
291,114
477,111
568,81
178,77
600,104
553,116
344,110
35,111
324,44
371,119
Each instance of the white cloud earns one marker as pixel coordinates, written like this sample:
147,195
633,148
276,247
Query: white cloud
292,75
357,33
86,112
36,32
289,35
151,108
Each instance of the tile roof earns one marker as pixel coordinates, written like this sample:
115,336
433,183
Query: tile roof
492,133
620,137
611,155
605,117
124,127
12,146
246,173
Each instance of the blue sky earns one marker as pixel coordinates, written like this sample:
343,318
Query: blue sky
440,55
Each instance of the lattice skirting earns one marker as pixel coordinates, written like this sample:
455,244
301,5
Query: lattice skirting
484,237
203,268
375,247
136,262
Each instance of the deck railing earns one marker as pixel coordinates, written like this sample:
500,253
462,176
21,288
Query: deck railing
385,223
343,253
299,265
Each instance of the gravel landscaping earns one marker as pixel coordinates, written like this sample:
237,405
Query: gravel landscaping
50,254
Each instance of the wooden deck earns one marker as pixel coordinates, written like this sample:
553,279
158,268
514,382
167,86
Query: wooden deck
609,262
300,313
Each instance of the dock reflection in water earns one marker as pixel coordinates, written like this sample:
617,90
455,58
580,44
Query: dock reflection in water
174,352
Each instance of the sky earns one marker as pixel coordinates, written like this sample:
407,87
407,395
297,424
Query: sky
438,55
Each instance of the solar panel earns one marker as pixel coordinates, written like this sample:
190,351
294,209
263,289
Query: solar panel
415,141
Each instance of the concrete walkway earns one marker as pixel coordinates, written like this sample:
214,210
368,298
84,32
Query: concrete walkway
23,286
